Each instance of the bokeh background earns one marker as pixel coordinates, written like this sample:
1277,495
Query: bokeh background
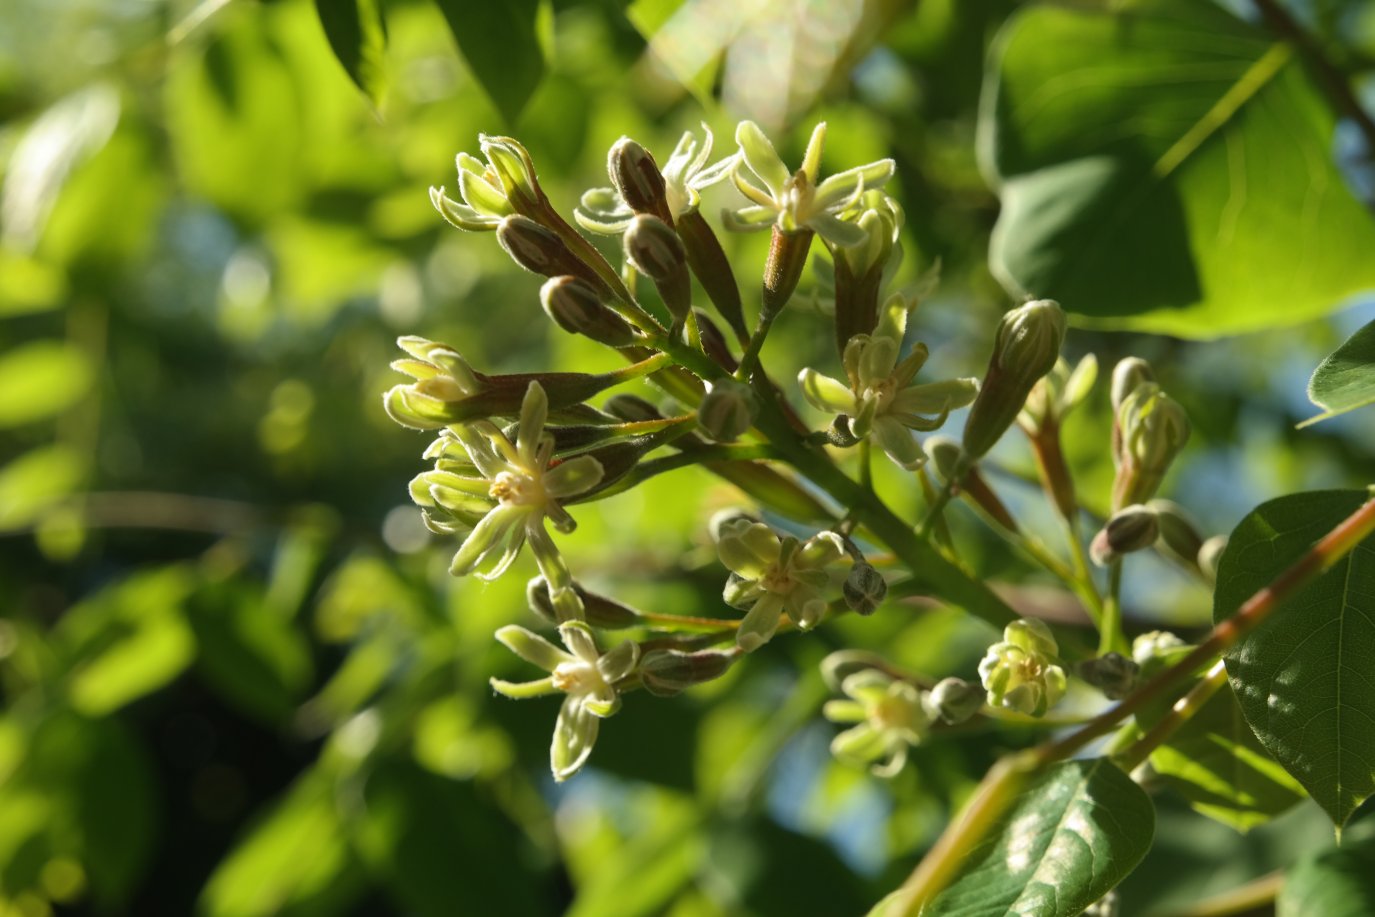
236,677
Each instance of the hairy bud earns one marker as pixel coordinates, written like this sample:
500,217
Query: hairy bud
1127,376
637,177
665,673
655,250
1178,534
1131,529
576,308
1112,673
541,251
1153,429
727,410
955,700
598,610
864,588
1025,349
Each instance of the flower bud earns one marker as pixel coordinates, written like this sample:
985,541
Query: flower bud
1154,645
665,673
1132,529
1019,673
631,408
516,172
955,700
723,522
541,251
1025,349
864,588
575,307
944,454
1112,673
1153,429
1209,555
727,410
1127,376
598,610
637,177
1178,534
655,250
714,342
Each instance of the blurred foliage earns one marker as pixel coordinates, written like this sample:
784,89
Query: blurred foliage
237,679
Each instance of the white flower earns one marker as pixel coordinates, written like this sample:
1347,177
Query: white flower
773,575
892,716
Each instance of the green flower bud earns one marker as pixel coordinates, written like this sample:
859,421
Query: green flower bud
1209,555
1157,650
1153,430
599,611
1127,375
575,307
1019,673
1026,348
1131,529
665,673
944,454
655,250
631,408
955,700
714,343
864,588
727,410
1178,534
541,251
1112,673
516,172
637,177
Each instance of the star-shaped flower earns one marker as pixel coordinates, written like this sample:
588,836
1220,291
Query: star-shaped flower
795,201
513,489
1020,672
773,575
586,676
893,716
879,397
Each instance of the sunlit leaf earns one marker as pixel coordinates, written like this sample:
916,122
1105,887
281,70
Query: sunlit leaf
1074,832
1301,677
295,862
357,34
500,42
1215,762
1346,379
40,379
29,285
35,480
1167,168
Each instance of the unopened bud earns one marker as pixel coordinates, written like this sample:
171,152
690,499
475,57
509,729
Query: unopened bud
944,454
516,172
655,250
1153,429
1131,529
540,250
631,408
1156,644
1112,673
1127,376
598,610
955,700
1178,534
714,342
864,589
1025,349
575,307
665,673
637,178
727,410
722,520
1209,555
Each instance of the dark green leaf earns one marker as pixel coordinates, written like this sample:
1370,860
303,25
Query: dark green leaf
500,42
358,36
1346,379
1075,831
1167,167
1301,677
1217,764
1336,883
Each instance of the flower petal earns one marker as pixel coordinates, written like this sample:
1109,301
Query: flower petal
859,745
534,410
578,637
934,397
821,550
523,690
575,733
811,159
748,548
841,186
835,230
825,393
759,622
488,536
761,157
844,711
619,662
531,647
573,476
748,219
898,443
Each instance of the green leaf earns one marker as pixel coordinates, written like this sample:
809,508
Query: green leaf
35,480
357,34
1335,883
1074,832
1301,677
1346,379
500,42
1216,763
41,379
295,862
1167,168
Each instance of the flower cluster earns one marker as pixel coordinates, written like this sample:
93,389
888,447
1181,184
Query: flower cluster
1021,673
